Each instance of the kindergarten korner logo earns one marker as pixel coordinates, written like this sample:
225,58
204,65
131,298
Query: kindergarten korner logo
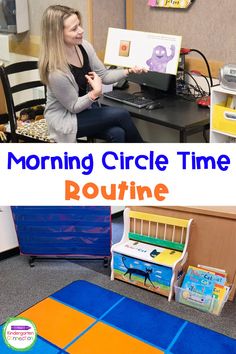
19,333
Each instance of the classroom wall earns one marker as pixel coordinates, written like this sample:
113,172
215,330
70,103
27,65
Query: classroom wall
97,16
207,25
8,239
106,14
36,9
28,43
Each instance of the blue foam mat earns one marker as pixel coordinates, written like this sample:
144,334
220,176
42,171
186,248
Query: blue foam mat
195,339
151,325
41,346
144,322
87,297
169,333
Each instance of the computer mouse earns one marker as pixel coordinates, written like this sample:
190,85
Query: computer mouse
154,105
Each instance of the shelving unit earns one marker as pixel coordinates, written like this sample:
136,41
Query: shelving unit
223,119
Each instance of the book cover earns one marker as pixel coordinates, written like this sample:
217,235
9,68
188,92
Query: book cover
219,277
219,292
220,296
199,281
193,299
154,51
204,289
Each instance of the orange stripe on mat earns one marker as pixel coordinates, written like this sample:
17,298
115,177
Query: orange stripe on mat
57,323
102,338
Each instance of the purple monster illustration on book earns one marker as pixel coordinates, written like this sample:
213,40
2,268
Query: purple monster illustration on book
159,60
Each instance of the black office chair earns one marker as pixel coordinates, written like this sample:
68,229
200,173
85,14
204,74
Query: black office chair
36,130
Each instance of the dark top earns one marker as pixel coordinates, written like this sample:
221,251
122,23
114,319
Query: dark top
79,73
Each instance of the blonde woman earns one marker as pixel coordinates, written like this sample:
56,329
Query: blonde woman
68,65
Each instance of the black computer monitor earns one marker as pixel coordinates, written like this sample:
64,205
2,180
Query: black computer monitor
155,84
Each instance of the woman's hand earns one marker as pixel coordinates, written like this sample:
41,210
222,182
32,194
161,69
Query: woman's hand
2,136
136,70
96,83
2,131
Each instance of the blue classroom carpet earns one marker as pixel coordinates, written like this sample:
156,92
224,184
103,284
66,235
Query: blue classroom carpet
83,318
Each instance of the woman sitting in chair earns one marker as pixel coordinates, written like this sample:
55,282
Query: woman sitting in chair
73,74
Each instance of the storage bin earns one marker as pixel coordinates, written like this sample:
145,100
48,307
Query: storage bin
201,302
224,119
147,275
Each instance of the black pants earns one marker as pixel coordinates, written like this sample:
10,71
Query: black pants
111,124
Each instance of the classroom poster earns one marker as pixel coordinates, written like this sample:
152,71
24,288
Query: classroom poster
179,4
154,51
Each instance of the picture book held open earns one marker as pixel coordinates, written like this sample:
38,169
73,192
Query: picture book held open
153,51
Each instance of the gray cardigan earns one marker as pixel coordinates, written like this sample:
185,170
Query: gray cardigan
63,102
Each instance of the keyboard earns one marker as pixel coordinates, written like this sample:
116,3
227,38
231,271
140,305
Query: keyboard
128,98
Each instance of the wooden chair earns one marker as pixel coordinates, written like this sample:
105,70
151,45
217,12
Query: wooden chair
26,85
23,90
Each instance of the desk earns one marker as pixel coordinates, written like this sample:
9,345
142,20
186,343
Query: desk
212,237
179,114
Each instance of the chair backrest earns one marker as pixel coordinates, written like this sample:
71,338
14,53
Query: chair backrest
18,88
160,230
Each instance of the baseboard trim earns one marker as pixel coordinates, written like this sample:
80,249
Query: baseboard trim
9,253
